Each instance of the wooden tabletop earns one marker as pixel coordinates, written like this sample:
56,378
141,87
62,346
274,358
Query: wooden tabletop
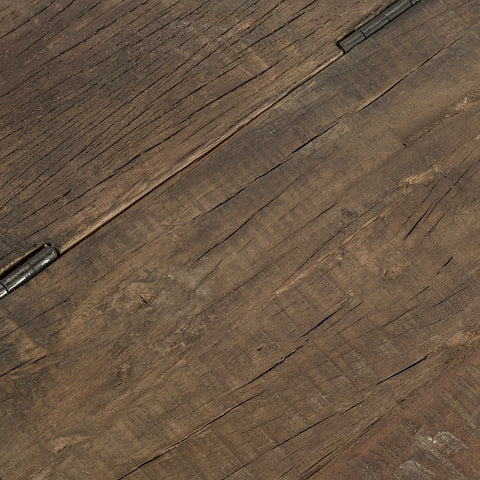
269,259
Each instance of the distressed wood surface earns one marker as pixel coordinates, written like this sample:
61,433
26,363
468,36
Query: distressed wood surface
104,100
259,315
434,434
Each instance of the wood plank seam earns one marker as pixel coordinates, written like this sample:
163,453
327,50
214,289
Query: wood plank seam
298,37
391,12
366,30
22,272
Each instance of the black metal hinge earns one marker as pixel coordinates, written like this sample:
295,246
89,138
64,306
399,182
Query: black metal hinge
375,24
27,269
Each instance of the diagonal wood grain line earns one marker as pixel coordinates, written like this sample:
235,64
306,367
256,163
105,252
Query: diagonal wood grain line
192,161
149,351
102,106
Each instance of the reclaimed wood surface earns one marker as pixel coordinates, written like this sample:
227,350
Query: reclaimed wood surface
301,304
433,435
101,101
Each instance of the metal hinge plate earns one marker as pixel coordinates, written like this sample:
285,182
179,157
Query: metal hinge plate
27,269
376,23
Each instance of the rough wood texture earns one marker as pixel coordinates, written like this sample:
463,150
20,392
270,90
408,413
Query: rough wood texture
104,100
258,315
435,434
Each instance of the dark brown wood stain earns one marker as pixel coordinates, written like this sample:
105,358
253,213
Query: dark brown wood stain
300,303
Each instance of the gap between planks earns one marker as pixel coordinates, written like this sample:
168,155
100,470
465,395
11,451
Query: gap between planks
192,161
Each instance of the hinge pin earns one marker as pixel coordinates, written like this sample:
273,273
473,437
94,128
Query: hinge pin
375,24
28,269
396,9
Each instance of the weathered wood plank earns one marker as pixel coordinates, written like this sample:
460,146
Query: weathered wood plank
434,434
104,100
260,314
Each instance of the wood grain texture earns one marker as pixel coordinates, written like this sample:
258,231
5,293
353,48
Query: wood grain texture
257,316
104,100
433,435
